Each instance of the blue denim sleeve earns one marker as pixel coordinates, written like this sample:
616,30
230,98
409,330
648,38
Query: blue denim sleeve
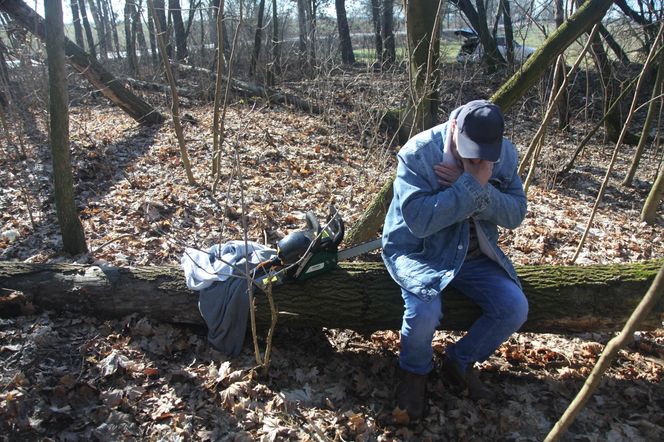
505,208
426,208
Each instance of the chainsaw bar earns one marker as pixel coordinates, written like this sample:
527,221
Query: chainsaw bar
360,249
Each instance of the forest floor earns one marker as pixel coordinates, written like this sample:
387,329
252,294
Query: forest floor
66,377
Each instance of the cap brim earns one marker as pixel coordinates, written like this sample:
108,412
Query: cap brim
467,148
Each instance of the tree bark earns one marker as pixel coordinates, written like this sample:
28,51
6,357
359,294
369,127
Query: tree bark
73,238
387,33
492,56
656,194
93,71
114,30
76,21
88,30
160,7
274,68
562,106
130,40
358,296
255,90
258,37
532,70
650,118
423,47
509,30
101,30
378,40
181,52
345,43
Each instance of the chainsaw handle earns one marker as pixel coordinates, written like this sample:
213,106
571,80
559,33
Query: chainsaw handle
312,222
335,226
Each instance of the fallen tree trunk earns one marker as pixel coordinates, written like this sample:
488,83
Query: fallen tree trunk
246,89
359,296
84,63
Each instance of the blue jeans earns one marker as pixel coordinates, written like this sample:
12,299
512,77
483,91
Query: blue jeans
504,307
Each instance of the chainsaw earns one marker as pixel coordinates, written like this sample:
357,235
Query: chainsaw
306,253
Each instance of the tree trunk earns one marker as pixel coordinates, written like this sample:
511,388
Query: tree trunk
345,43
275,66
88,30
492,57
6,91
378,40
650,118
358,296
153,40
181,52
106,22
509,31
95,73
370,221
76,21
611,42
114,30
101,32
137,31
160,7
387,32
258,37
423,47
255,90
562,106
73,238
302,27
532,70
656,194
130,41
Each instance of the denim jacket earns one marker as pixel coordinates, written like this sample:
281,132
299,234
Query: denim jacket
426,231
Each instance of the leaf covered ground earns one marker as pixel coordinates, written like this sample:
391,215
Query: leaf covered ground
66,377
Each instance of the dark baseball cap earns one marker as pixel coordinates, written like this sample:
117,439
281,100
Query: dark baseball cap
480,126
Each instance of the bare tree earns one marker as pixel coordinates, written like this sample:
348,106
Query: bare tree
181,52
73,237
274,68
258,36
345,43
422,21
130,37
114,28
76,21
160,13
88,30
389,55
137,29
562,106
101,29
378,39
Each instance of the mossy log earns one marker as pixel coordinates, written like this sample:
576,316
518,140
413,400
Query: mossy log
359,296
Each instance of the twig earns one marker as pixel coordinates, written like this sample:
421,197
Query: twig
126,235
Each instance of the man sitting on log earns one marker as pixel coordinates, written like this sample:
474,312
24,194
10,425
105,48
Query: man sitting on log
456,183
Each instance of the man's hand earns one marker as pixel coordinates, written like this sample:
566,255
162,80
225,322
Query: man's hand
447,174
480,169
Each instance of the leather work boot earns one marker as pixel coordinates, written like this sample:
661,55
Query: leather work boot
465,380
411,394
